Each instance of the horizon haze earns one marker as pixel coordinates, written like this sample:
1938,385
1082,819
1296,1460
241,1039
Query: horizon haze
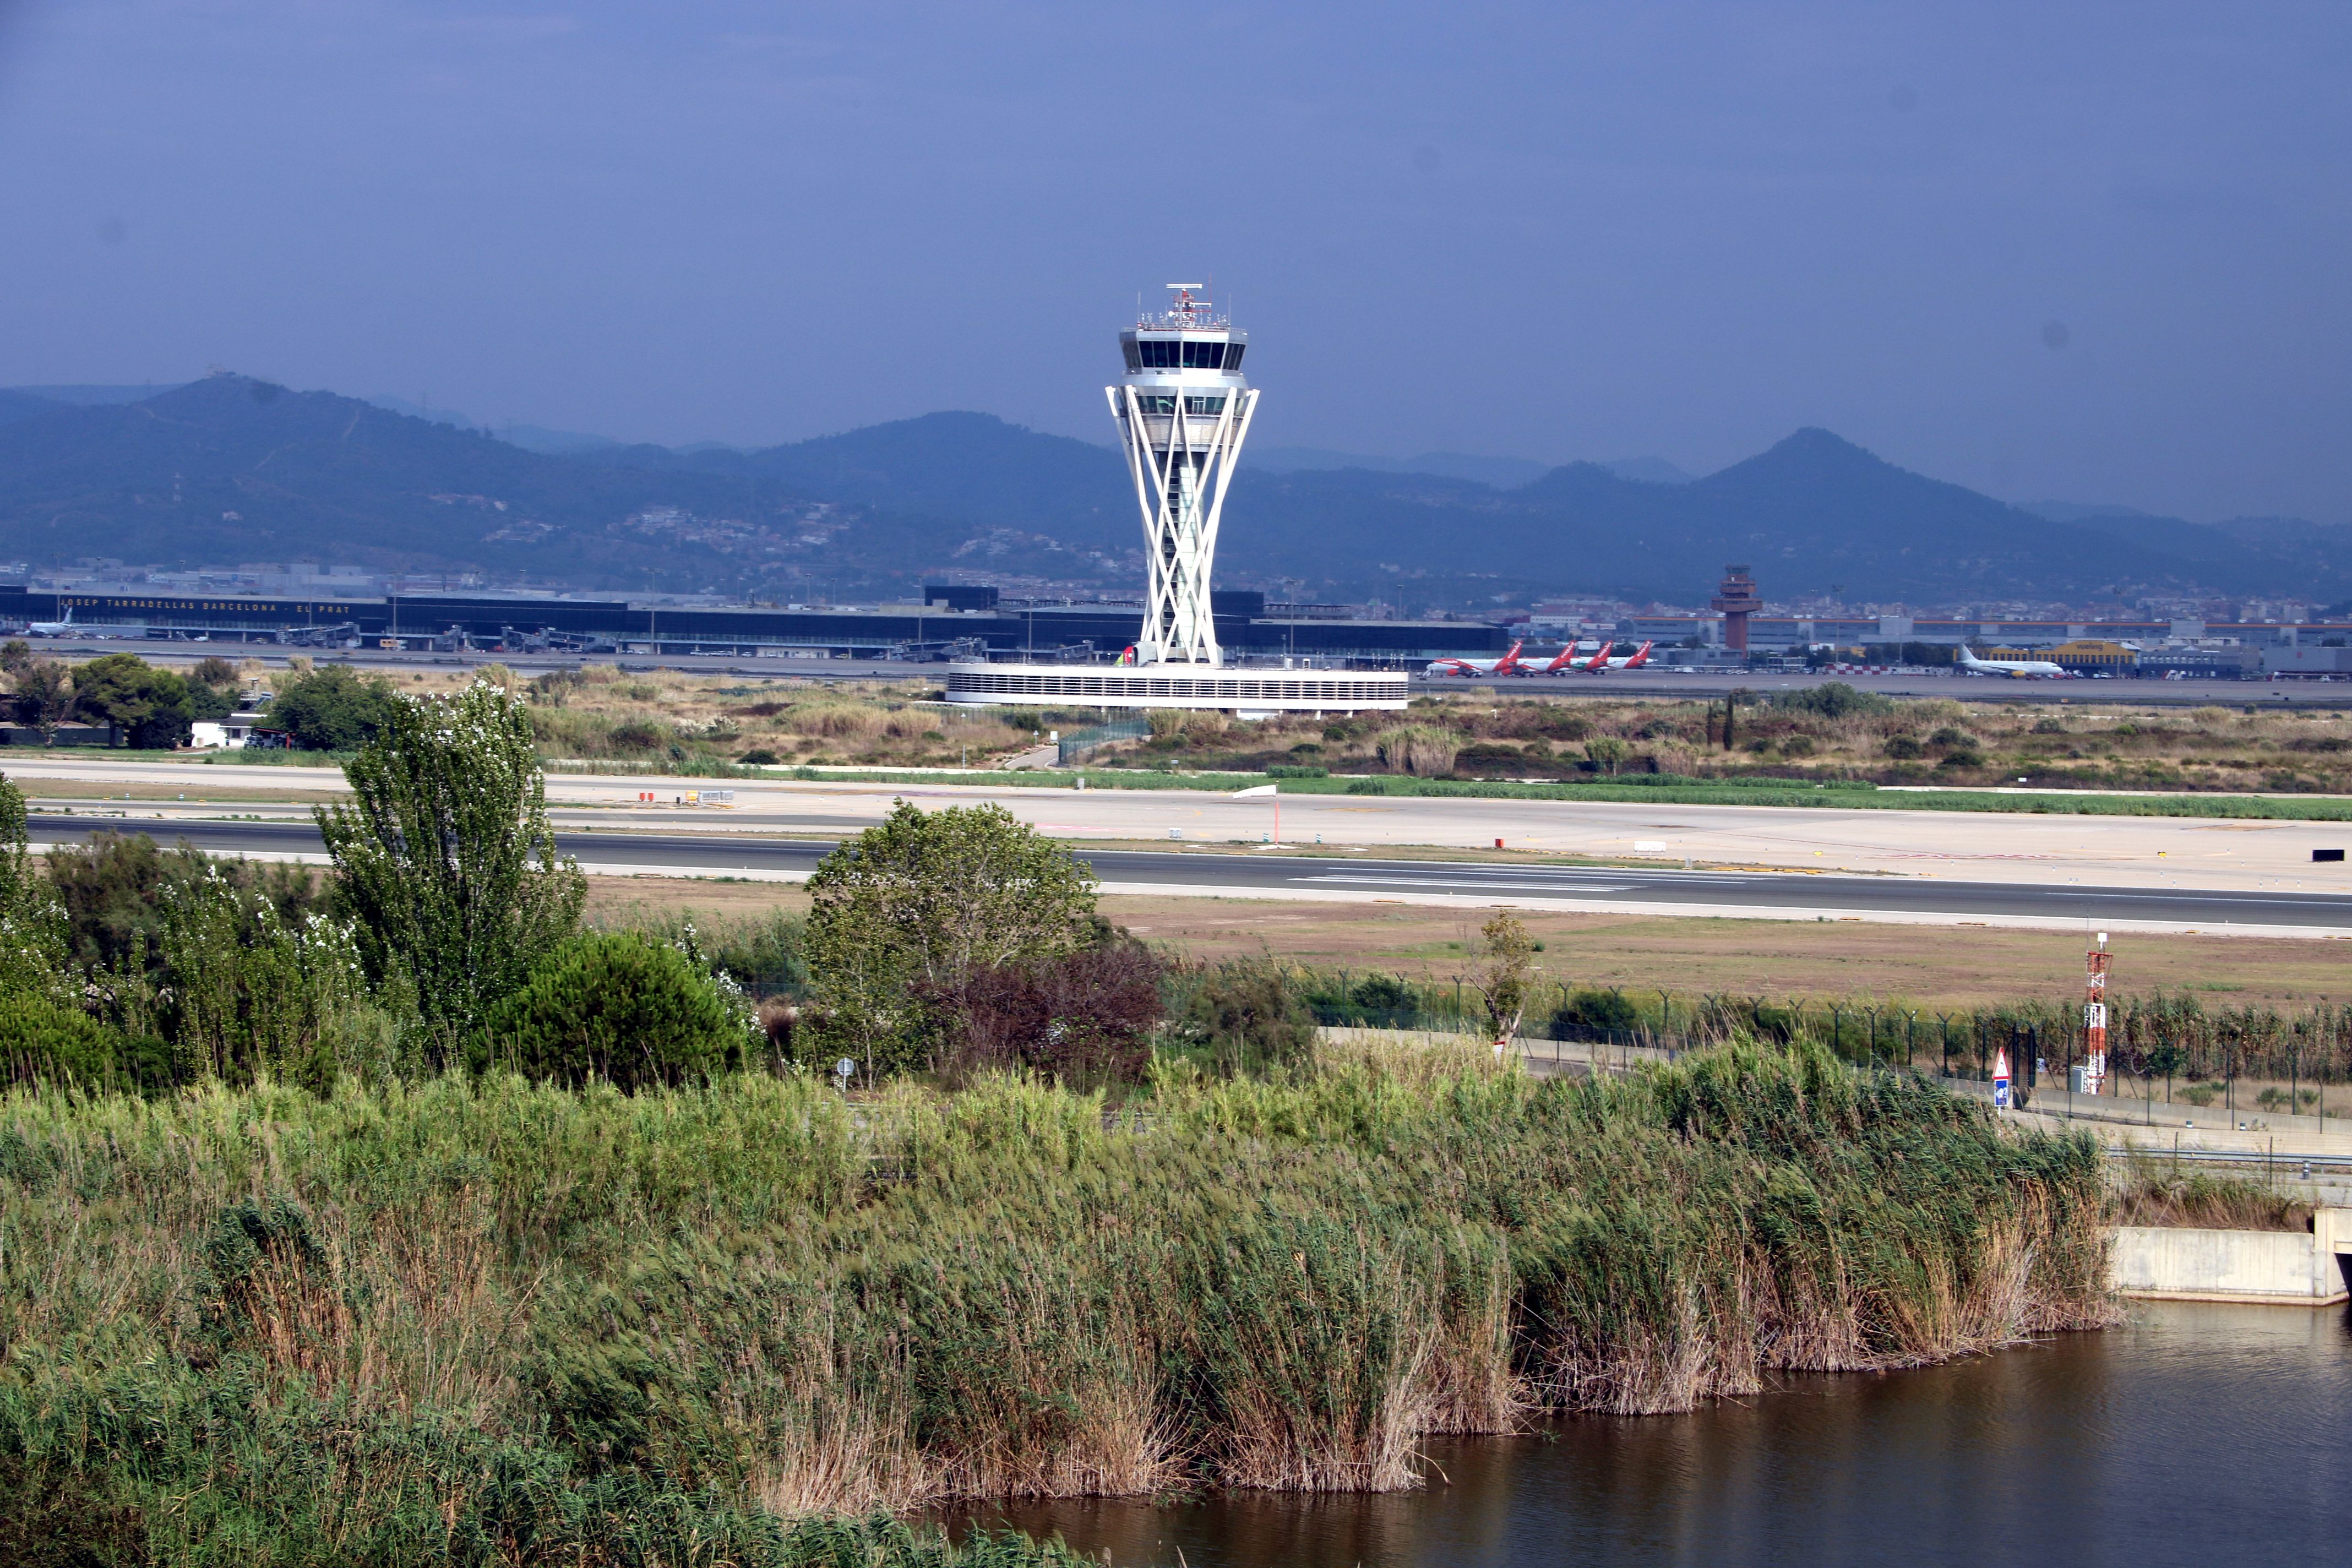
2088,256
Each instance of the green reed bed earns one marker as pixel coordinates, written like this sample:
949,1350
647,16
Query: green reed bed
487,1322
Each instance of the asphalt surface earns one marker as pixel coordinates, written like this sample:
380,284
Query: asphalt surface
1370,877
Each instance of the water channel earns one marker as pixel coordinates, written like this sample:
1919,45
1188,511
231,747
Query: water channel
2195,1433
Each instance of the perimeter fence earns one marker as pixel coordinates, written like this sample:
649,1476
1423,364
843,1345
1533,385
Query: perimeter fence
2166,1037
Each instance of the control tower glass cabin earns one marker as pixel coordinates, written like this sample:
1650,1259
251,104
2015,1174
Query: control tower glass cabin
1183,411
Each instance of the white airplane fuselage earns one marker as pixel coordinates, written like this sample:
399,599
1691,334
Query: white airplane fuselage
2016,668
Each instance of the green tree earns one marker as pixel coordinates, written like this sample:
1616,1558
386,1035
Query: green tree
1606,752
1506,961
445,858
334,709
921,901
32,923
45,694
622,1007
147,707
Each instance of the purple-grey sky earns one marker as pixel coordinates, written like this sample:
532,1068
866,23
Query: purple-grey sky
2086,251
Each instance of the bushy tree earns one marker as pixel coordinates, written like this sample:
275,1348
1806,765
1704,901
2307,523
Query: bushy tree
147,708
1247,1018
32,923
113,888
912,906
445,858
620,1006
1082,1017
41,689
334,709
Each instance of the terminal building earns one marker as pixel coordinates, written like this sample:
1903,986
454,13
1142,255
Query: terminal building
965,623
952,620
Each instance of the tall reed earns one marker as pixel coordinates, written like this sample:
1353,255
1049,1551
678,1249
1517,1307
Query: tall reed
468,1320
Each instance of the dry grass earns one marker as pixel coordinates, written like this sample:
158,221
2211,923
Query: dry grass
1906,741
2148,1192
1931,966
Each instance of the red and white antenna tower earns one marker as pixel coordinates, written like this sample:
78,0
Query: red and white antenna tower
2094,1019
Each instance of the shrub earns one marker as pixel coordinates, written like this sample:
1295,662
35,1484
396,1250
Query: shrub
1078,1017
1595,1012
1832,699
1420,750
32,920
1297,771
833,718
1902,747
1949,736
45,1041
1797,746
622,1007
1385,992
758,757
1246,1018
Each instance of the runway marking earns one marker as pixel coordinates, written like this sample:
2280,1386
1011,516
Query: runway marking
1480,884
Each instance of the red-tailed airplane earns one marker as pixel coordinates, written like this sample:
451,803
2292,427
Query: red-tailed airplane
1508,664
1561,662
1570,662
1634,661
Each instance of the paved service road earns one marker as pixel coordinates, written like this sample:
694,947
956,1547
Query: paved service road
1368,878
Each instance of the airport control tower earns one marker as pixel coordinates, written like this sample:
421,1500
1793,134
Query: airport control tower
1183,411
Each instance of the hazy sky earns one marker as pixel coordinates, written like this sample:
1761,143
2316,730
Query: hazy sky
2079,251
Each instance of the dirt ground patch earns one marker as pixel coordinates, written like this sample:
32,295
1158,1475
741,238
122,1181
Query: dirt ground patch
1948,966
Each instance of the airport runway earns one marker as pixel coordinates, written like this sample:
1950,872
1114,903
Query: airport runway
625,851
2153,852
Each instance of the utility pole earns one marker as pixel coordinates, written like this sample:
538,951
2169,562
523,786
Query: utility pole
2094,1019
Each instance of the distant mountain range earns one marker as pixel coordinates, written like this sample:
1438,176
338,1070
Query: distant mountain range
232,469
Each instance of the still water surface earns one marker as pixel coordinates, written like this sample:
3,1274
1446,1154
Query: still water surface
2199,1435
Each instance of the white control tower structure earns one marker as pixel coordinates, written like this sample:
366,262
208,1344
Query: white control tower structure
1183,411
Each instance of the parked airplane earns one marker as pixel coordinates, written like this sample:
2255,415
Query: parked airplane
2017,669
1599,663
1566,661
1508,664
1634,661
64,628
